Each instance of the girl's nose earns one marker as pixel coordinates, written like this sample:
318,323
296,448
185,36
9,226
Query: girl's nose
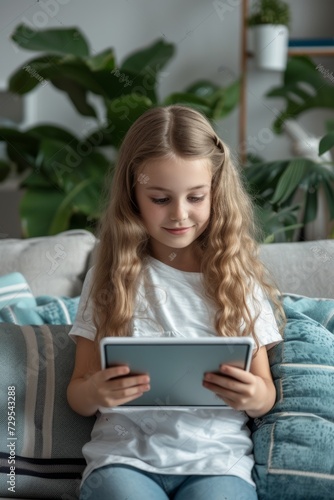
178,213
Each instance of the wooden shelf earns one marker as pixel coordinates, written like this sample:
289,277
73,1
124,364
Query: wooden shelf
310,51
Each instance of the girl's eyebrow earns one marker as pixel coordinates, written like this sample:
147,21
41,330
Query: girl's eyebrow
157,188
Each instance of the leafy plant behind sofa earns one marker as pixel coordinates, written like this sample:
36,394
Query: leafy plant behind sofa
65,174
274,184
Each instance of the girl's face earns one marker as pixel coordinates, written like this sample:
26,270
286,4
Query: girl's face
173,197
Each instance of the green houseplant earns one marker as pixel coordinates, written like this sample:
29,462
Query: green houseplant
270,20
65,174
277,185
274,186
304,88
270,12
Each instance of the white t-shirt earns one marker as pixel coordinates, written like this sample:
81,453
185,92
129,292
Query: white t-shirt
178,441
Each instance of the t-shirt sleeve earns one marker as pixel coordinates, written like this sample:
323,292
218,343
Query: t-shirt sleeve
266,328
83,325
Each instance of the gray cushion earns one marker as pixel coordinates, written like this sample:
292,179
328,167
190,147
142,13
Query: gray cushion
53,265
49,435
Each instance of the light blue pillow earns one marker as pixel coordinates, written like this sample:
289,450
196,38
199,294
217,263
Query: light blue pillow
294,442
19,306
15,290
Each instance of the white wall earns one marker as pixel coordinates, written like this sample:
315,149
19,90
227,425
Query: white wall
207,39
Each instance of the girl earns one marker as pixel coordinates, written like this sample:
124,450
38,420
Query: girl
177,257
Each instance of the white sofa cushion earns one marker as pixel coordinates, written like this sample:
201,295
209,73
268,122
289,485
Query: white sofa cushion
304,268
53,265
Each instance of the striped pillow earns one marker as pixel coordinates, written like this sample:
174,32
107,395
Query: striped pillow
293,443
19,306
15,290
46,441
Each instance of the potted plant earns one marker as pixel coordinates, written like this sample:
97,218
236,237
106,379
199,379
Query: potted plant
64,174
270,20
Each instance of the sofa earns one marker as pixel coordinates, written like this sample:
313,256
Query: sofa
41,437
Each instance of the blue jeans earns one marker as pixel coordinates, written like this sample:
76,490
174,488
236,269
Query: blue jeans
123,482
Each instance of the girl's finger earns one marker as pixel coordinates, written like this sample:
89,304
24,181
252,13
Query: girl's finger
125,382
237,373
217,381
114,371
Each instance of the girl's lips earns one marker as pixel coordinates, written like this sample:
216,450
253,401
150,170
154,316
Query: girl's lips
180,230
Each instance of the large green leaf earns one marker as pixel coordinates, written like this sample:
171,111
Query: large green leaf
199,103
290,179
103,60
57,158
326,143
37,209
118,82
122,113
4,170
262,178
47,130
329,193
311,206
77,94
22,147
35,72
36,180
93,167
304,88
277,226
77,70
221,100
67,164
224,100
60,221
58,40
149,60
330,125
56,68
202,88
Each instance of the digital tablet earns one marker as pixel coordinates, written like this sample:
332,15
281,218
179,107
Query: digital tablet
176,366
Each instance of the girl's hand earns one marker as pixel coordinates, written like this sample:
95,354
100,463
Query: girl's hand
234,385
90,387
114,386
253,391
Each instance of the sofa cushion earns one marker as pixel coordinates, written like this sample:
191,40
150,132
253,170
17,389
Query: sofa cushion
19,306
52,265
41,433
305,268
293,443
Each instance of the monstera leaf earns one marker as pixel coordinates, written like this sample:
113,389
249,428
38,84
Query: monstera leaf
304,88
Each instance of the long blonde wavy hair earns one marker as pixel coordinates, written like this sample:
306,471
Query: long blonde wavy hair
229,252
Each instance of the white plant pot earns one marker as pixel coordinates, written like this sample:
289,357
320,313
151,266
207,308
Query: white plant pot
271,46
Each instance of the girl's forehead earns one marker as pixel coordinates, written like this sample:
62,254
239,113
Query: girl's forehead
176,165
174,174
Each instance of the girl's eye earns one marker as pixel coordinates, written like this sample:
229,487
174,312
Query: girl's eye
192,199
159,201
195,199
